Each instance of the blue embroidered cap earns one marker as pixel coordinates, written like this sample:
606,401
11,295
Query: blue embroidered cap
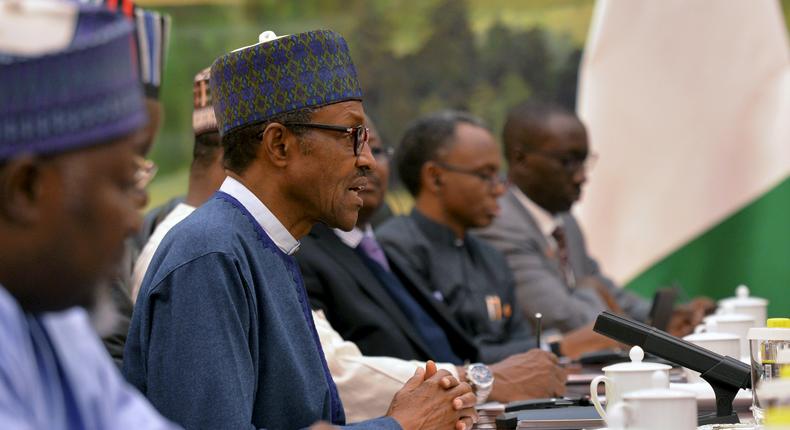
152,33
255,83
82,93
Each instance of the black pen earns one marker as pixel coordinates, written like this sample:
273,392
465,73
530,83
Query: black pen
539,318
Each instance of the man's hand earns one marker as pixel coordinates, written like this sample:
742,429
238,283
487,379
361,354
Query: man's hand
584,339
323,426
530,375
686,316
434,400
703,306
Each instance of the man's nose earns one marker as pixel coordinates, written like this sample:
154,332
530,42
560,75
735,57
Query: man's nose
580,175
366,160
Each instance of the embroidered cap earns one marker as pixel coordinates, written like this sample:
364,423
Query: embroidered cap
203,119
152,34
79,90
282,74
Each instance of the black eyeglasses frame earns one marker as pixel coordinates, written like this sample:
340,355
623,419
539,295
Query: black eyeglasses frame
493,180
360,133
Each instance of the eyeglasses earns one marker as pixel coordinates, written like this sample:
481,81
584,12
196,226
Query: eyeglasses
145,170
359,133
381,152
492,179
571,164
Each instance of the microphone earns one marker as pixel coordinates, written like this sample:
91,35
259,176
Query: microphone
725,374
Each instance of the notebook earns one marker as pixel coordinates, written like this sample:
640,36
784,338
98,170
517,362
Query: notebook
573,417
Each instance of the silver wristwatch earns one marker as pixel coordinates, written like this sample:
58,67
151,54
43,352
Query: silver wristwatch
480,377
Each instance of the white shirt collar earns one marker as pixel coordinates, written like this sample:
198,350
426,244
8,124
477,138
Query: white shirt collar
546,222
270,224
354,237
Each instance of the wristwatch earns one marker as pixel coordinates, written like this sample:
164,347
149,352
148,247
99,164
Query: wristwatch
481,379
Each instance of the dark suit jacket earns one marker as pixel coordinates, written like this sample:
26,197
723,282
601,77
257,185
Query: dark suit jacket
539,284
359,307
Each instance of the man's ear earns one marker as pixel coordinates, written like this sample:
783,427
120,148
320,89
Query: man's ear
21,186
430,177
276,144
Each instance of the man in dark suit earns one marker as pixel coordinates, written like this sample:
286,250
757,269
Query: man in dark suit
333,261
348,277
548,157
450,162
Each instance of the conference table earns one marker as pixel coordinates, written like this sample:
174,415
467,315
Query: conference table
578,385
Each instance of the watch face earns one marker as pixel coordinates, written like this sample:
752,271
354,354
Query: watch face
480,374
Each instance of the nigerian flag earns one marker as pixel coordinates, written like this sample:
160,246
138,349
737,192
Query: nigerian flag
688,107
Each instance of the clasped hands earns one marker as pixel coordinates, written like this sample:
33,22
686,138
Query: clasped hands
434,399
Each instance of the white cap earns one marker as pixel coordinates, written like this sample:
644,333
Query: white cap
265,37
742,298
637,354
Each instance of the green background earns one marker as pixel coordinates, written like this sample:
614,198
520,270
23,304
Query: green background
751,247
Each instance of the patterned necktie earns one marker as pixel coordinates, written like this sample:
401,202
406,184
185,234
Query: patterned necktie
562,255
371,248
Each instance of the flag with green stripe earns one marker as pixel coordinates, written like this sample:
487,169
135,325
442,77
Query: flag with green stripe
688,107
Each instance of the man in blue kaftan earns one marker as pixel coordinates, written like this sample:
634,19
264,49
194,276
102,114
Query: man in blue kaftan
222,334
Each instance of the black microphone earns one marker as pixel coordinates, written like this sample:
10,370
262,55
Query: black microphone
725,374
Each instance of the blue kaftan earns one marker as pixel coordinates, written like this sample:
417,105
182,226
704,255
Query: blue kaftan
222,336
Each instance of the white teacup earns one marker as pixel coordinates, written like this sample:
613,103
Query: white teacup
737,324
623,378
720,343
656,408
743,303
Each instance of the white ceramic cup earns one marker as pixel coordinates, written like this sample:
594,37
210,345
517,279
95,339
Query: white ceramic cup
655,409
623,378
737,324
745,304
720,343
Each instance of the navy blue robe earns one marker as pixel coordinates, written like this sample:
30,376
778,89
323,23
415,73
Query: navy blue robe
222,336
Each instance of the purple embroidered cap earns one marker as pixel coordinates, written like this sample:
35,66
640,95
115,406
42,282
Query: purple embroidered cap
72,85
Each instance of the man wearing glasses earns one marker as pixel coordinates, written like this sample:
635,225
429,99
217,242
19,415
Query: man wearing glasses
450,162
348,277
222,335
548,157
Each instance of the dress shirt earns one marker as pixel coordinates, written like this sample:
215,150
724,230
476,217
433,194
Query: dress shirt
141,265
270,224
546,222
366,384
354,237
